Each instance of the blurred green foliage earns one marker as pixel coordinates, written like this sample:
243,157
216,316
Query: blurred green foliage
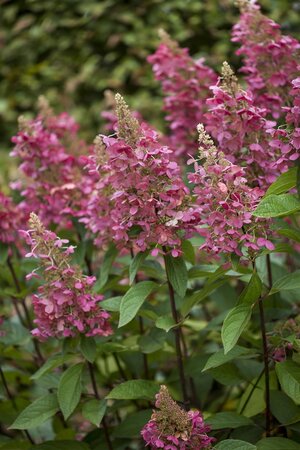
72,50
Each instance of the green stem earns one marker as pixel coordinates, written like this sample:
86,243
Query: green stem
177,333
251,392
265,354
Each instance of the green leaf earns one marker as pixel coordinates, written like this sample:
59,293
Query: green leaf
133,300
51,363
287,283
252,291
61,445
234,444
3,252
188,252
254,404
108,260
134,389
283,408
94,411
290,234
223,420
152,342
288,373
277,443
234,324
277,206
177,274
69,389
135,264
112,304
16,445
219,358
38,412
199,296
284,182
88,348
131,426
165,323
227,374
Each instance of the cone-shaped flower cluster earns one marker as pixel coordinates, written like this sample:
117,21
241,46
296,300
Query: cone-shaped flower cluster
241,130
173,428
65,305
225,203
140,198
270,58
185,84
53,184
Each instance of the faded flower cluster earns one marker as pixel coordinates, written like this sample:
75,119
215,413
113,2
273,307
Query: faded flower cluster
173,428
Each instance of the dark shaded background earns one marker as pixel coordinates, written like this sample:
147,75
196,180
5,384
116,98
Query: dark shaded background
72,50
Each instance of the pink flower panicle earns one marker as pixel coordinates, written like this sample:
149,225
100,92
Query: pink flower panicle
270,58
172,428
65,305
225,203
109,114
63,125
9,219
54,185
286,139
241,130
140,198
185,84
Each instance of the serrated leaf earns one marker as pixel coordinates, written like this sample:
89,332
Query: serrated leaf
134,389
277,206
277,443
234,444
133,300
219,358
234,324
177,274
284,182
252,291
288,373
69,389
94,411
88,348
223,420
38,412
135,264
287,283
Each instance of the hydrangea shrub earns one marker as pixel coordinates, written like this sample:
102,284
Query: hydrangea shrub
150,282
